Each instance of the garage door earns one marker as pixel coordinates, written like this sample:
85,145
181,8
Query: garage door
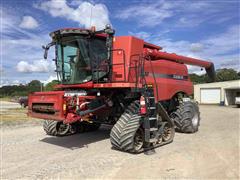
210,96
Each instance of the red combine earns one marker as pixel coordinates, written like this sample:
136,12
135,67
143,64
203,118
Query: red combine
123,81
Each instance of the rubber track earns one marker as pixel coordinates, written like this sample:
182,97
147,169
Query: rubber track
183,117
123,132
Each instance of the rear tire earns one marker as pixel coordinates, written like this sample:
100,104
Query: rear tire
56,128
187,117
126,134
50,127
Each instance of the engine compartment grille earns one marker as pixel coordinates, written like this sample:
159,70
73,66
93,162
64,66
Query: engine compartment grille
47,108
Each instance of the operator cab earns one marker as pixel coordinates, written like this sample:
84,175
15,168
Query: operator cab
82,55
78,56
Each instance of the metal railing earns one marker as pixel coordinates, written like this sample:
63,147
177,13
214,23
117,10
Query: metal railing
135,65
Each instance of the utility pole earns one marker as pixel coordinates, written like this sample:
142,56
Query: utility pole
41,87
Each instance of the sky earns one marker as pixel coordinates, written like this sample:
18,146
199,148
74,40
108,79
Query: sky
202,29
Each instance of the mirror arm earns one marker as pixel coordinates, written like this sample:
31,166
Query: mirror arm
46,48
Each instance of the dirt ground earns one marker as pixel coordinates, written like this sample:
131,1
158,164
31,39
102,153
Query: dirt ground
12,114
212,153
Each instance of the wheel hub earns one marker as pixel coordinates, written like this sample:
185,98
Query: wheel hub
195,120
167,133
62,129
138,140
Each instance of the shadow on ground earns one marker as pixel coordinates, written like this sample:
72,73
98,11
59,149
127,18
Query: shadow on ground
79,140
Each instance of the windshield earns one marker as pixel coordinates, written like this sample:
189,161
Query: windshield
81,59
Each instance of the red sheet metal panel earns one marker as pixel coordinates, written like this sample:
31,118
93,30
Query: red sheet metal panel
129,47
55,99
171,78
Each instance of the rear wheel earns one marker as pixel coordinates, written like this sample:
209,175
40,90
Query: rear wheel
56,128
187,117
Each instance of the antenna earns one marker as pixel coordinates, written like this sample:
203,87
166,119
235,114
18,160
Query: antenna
91,16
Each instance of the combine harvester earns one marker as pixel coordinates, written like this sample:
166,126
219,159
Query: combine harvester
123,81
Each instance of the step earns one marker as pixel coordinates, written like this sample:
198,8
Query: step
152,107
152,140
153,129
152,118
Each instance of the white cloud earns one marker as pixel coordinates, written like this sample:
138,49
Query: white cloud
50,79
28,22
16,82
4,83
177,14
195,70
141,34
86,13
21,45
196,47
41,66
222,49
7,21
147,15
1,69
75,2
224,42
9,83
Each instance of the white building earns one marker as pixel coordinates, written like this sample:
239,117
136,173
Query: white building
218,92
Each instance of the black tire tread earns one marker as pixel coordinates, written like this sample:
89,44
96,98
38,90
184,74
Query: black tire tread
49,127
123,132
183,117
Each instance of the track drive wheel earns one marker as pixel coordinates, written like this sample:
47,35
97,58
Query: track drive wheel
126,134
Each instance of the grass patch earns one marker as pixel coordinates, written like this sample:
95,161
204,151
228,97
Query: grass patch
16,116
7,98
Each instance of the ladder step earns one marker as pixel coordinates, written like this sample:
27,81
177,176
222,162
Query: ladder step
152,118
153,129
152,140
151,97
152,107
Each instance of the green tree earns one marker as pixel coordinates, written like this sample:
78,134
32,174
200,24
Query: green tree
221,75
197,79
226,74
34,85
13,90
50,86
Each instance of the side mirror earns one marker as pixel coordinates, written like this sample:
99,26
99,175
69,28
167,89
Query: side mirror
45,52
